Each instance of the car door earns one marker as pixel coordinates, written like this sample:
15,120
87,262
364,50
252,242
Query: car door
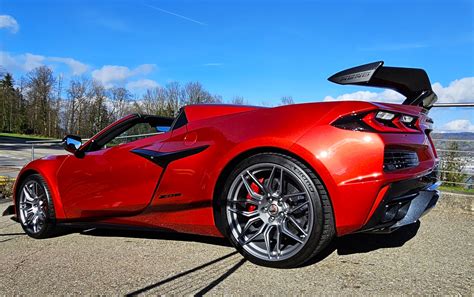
112,181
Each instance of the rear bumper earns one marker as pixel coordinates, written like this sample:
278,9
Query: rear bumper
404,203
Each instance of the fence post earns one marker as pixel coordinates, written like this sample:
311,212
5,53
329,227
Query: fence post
32,152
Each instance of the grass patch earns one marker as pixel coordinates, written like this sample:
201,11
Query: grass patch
457,189
24,136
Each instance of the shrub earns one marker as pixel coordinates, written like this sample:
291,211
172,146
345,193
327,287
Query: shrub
6,187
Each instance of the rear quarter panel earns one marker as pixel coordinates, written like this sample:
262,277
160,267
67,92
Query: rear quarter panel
350,163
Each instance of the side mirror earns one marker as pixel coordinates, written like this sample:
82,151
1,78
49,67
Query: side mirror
72,143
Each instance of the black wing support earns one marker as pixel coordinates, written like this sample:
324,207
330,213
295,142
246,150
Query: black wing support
413,83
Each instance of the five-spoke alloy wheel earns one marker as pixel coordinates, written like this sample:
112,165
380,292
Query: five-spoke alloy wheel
276,211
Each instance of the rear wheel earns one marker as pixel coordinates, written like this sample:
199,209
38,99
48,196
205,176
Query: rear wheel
35,207
276,211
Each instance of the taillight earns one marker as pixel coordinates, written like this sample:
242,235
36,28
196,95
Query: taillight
379,121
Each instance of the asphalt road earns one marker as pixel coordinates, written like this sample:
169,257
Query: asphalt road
15,153
438,260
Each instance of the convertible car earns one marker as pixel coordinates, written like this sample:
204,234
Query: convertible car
279,183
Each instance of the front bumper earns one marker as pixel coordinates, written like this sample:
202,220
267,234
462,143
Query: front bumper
404,203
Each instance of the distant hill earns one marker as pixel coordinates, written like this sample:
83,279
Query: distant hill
441,141
450,135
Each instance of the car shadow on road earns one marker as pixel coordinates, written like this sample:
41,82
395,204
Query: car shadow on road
196,281
12,234
367,242
345,245
160,235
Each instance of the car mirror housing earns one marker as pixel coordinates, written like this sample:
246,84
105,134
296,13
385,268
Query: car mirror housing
72,143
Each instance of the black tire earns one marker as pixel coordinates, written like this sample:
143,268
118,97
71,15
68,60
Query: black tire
323,229
48,228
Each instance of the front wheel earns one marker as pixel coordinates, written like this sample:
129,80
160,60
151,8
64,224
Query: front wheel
276,211
35,207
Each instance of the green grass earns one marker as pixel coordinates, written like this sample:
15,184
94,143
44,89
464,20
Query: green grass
23,136
457,189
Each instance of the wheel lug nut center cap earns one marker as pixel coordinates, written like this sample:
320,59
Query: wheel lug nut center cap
273,209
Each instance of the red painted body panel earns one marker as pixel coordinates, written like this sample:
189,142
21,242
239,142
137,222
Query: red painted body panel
205,111
116,186
85,183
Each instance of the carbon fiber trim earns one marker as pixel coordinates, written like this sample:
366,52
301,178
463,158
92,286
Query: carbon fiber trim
164,158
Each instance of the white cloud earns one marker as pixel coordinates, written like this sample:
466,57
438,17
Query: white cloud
460,90
8,22
111,75
23,62
385,96
142,84
143,69
32,61
459,126
27,62
76,67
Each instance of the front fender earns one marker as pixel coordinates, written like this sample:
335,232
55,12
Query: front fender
47,167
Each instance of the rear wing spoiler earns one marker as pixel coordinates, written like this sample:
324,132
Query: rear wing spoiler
413,83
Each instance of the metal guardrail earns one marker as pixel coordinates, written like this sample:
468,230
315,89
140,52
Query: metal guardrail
467,154
453,105
467,160
60,141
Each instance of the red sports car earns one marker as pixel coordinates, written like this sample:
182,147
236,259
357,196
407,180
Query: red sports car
278,182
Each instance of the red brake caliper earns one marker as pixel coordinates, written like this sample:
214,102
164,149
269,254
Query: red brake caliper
257,190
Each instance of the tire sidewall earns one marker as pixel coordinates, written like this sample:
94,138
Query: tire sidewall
305,253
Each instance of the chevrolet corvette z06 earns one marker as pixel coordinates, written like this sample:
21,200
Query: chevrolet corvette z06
279,183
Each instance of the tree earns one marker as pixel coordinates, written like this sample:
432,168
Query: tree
39,93
76,109
238,100
12,105
39,104
175,98
154,101
452,165
217,99
8,99
98,113
120,98
195,94
286,100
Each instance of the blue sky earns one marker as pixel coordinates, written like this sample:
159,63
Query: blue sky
261,50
